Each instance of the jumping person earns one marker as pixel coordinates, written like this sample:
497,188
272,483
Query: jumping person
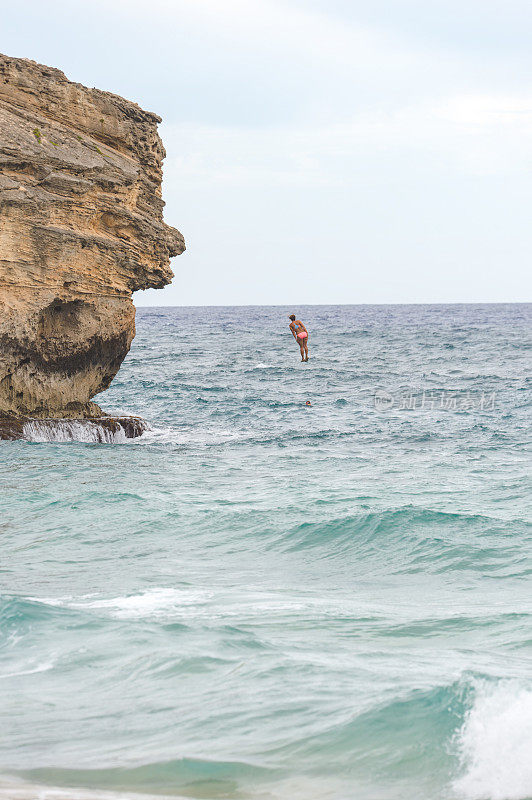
300,334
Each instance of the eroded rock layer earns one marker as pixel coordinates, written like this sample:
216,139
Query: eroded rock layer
81,228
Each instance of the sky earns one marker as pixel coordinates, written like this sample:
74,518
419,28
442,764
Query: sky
321,151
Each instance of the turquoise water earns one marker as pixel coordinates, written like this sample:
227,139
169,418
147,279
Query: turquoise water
263,600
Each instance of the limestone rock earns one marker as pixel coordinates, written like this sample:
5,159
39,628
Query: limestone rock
81,228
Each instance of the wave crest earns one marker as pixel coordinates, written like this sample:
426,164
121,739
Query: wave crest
495,743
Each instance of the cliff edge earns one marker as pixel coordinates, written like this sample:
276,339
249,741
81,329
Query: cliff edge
81,228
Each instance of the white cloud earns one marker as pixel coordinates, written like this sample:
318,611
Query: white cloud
476,134
343,61
273,24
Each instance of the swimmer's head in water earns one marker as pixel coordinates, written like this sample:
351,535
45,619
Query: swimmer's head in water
292,317
307,403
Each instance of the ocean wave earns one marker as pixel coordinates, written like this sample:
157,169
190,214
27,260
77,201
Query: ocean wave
19,611
474,736
414,538
403,733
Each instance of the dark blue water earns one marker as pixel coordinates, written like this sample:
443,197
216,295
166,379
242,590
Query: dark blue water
262,600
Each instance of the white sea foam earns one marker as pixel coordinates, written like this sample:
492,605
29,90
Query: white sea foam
194,602
44,667
71,430
65,600
496,743
153,602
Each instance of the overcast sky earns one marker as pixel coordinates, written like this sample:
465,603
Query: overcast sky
321,151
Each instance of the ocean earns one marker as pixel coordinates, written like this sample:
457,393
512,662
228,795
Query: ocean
264,600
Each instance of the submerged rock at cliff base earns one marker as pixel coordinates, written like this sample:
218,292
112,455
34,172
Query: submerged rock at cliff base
99,430
81,228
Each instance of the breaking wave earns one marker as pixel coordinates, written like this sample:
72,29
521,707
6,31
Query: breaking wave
495,743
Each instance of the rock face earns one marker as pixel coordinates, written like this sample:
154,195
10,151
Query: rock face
81,228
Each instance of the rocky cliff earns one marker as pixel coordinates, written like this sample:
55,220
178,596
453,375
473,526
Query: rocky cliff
81,228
